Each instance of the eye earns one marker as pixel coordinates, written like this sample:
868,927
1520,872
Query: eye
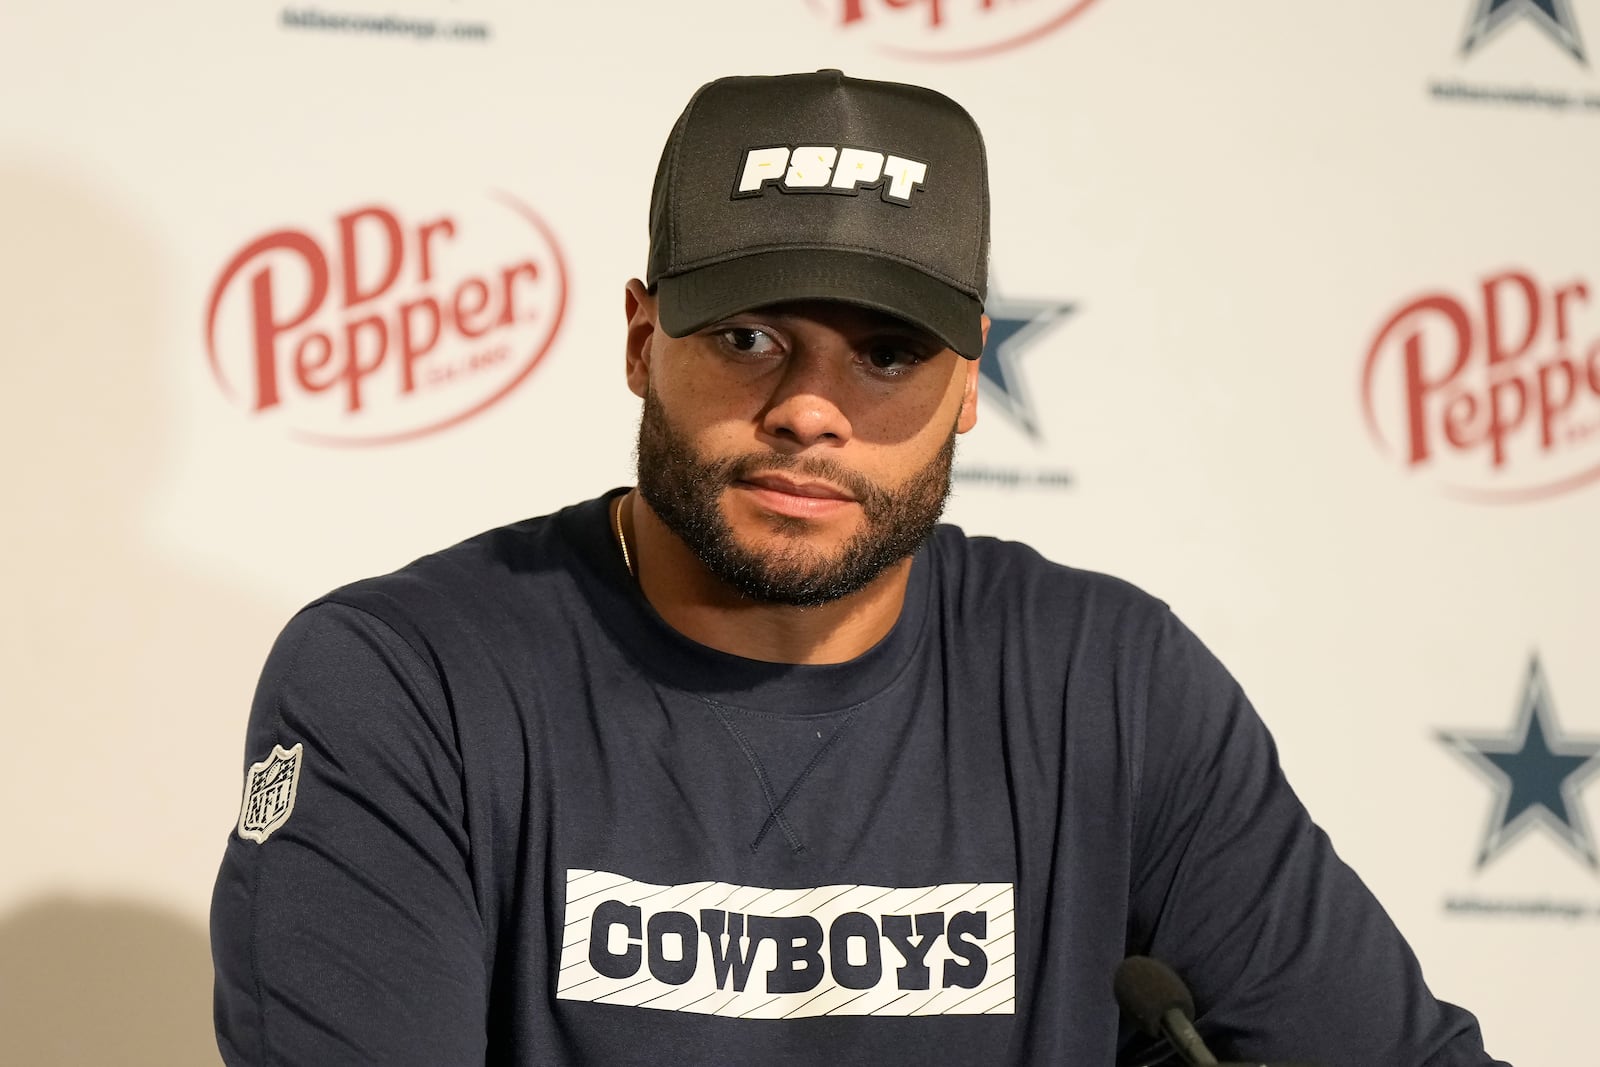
894,358
748,340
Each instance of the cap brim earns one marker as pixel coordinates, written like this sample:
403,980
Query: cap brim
695,299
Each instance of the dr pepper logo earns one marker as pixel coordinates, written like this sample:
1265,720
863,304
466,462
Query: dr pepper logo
1492,393
948,29
381,325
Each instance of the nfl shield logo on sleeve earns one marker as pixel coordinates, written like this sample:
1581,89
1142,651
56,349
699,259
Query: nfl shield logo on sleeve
269,789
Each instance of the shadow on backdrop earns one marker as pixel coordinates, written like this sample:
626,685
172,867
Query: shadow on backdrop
128,667
104,982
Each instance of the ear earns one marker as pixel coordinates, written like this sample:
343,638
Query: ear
969,390
640,307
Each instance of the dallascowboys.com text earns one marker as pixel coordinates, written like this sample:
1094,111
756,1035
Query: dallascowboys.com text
421,29
1547,99
1538,908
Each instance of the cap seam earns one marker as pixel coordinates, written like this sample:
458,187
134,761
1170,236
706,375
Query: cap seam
672,164
754,250
980,268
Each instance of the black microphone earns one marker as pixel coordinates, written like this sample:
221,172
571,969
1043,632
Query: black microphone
1152,995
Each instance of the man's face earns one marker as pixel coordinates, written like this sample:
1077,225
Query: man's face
798,450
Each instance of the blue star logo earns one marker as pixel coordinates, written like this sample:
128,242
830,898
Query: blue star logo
1013,326
1554,17
1536,774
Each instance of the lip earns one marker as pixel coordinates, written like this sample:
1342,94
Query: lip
806,487
802,498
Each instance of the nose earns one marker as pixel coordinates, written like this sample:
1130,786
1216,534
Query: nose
807,407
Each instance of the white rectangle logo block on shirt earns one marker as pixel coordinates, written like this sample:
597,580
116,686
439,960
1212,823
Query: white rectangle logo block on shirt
713,948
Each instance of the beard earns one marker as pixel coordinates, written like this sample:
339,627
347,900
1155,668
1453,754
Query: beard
685,492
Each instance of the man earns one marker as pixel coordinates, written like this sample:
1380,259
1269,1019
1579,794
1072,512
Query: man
754,764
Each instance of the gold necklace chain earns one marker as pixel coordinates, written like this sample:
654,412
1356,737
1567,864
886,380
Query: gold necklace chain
622,538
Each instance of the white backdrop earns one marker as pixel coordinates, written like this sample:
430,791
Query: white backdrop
1207,212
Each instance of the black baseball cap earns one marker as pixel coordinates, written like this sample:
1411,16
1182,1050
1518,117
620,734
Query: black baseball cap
822,186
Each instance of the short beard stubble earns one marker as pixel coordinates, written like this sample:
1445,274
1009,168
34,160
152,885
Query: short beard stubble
685,491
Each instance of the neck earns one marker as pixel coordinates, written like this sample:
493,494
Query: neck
706,609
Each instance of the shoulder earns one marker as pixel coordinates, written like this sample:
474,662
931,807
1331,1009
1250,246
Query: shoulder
465,600
506,570
1001,579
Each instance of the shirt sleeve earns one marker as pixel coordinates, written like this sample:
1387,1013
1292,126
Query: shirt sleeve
1288,954
344,924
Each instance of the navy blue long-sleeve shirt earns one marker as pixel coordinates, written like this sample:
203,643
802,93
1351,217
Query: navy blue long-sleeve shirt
497,811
